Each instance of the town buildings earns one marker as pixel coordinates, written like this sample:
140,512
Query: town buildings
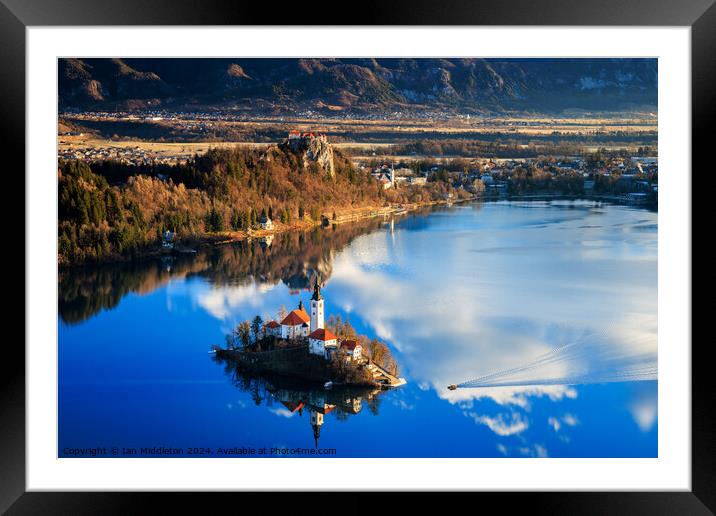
385,175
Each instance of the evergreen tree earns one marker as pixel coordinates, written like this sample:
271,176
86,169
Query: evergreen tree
256,327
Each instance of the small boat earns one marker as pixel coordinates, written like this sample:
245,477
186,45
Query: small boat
452,387
328,385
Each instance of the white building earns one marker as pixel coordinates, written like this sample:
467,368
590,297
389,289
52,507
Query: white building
385,176
272,329
168,239
295,324
322,342
351,350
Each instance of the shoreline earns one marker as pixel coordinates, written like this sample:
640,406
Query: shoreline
295,362
355,215
228,237
263,367
611,198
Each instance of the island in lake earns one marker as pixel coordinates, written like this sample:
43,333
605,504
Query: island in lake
423,247
302,346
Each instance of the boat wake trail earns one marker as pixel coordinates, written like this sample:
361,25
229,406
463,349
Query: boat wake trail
589,360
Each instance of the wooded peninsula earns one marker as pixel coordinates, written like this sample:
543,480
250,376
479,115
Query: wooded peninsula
110,210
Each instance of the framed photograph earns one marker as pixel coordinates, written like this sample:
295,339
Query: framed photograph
424,252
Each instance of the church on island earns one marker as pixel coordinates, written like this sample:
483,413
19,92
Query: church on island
298,324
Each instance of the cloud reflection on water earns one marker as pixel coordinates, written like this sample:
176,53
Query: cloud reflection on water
448,319
466,293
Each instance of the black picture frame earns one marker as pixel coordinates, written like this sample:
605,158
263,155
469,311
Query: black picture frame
17,15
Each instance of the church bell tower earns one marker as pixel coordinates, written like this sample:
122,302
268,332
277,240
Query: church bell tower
316,308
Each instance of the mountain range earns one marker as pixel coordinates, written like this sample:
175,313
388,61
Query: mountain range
544,85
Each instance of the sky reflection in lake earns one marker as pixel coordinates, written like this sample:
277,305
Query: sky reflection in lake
458,293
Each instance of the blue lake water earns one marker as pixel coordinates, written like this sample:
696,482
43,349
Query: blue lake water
458,293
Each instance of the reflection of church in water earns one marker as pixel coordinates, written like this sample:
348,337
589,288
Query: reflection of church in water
321,403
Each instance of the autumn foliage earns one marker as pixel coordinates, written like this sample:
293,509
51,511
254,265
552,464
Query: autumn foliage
110,210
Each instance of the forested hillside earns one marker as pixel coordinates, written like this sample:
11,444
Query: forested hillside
109,210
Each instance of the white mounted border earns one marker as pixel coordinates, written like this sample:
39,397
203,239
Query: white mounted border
671,470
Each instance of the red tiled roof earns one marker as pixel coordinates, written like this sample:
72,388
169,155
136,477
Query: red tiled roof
322,334
349,344
295,318
272,324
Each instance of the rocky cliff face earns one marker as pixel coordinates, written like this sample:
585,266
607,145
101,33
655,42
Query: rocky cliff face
313,151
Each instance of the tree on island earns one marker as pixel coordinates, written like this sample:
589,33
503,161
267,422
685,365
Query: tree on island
282,313
342,329
256,327
243,333
379,353
376,350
